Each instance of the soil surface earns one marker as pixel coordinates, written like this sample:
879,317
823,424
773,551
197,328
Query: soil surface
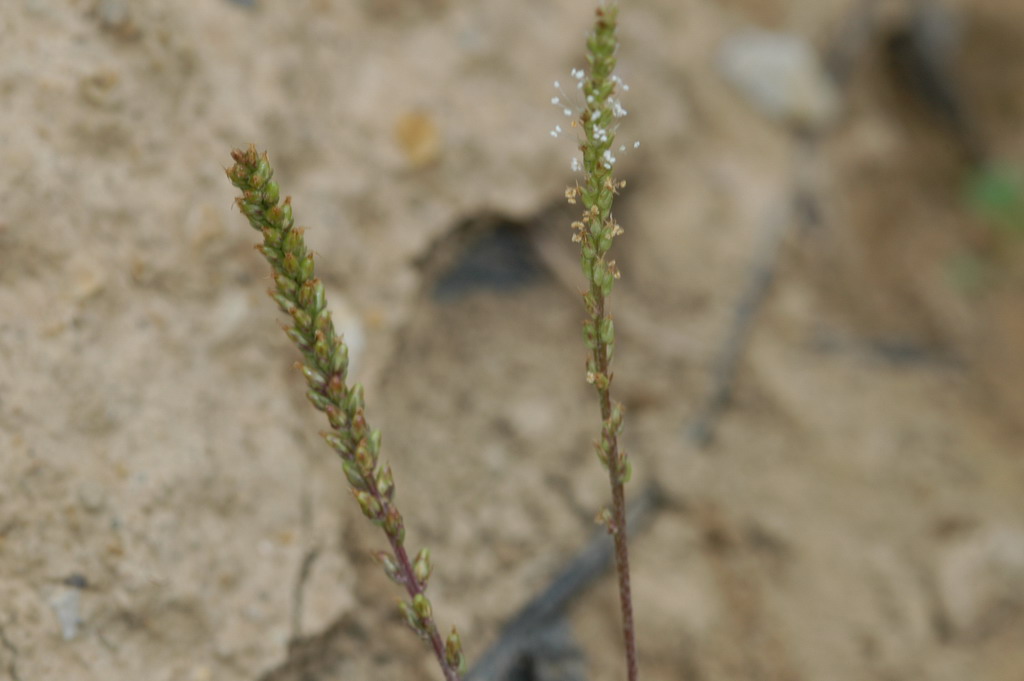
849,508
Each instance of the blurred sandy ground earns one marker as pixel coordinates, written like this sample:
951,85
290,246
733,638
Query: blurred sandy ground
162,483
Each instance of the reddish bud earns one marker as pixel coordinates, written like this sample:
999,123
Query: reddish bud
393,524
336,388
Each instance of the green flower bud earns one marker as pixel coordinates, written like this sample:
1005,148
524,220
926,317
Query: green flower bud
290,265
453,652
373,441
304,295
272,237
354,477
354,399
386,483
321,349
412,619
408,614
393,525
615,420
283,302
391,568
358,423
421,604
297,336
370,506
271,193
336,417
287,221
285,285
302,318
625,472
293,243
306,268
318,400
273,216
336,390
263,171
337,442
339,362
322,320
315,379
363,458
421,567
271,253
319,297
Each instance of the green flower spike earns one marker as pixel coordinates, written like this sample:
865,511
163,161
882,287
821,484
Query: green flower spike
325,365
595,231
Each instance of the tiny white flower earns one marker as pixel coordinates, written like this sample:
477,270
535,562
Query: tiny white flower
636,145
576,165
556,101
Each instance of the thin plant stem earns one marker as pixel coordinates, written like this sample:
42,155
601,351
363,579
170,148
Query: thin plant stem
595,231
300,294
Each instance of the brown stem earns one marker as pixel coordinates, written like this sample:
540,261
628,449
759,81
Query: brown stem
412,585
622,568
618,524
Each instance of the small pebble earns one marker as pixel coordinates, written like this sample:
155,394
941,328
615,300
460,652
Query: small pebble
66,604
781,76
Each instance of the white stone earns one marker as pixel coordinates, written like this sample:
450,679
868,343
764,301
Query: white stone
781,76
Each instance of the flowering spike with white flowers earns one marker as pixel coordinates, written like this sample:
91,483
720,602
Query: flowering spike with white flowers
594,232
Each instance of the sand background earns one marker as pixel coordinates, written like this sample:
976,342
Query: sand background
858,515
